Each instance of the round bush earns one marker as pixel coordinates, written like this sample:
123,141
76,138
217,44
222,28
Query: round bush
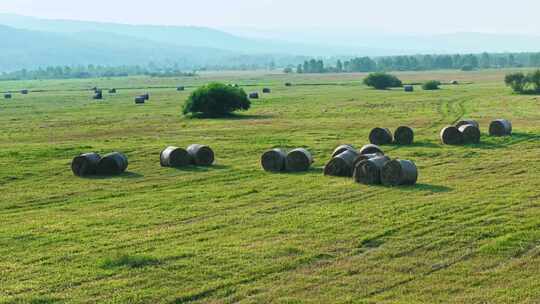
216,99
431,85
381,81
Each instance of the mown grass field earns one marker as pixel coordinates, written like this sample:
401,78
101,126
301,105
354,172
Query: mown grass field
469,232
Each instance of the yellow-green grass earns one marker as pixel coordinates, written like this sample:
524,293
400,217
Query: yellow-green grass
468,232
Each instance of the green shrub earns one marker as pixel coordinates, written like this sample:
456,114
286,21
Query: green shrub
524,84
216,99
381,81
431,85
516,81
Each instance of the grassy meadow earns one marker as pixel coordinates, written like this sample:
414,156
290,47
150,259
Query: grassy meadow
468,232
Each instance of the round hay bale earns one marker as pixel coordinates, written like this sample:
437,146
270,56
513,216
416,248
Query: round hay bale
98,95
299,160
342,164
380,136
451,136
85,164
404,136
146,96
180,88
201,155
399,172
174,157
500,127
362,157
471,134
467,122
112,164
343,148
140,100
368,171
112,91
24,91
371,149
274,160
408,88
266,90
454,82
254,95
7,96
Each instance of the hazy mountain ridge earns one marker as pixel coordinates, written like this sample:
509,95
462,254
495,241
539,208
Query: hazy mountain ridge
33,42
30,49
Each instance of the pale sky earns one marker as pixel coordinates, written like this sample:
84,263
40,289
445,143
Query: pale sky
400,16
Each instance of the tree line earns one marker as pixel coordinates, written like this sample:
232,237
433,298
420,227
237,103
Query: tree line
465,62
93,71
339,65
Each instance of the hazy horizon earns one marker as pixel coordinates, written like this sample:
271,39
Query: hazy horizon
416,17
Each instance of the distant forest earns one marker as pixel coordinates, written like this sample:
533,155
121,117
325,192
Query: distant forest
421,63
360,64
93,71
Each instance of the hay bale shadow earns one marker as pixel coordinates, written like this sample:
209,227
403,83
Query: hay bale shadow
424,188
231,116
417,144
507,141
125,175
201,168
424,144
129,261
311,171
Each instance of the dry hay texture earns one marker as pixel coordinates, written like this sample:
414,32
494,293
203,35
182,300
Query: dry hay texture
299,160
342,148
404,135
274,160
467,122
380,136
201,155
85,164
371,149
368,171
266,90
451,136
174,157
399,172
500,127
112,164
471,134
342,164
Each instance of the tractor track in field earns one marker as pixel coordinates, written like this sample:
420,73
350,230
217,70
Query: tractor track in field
450,111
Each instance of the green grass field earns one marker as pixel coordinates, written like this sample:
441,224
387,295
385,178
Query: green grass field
468,232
